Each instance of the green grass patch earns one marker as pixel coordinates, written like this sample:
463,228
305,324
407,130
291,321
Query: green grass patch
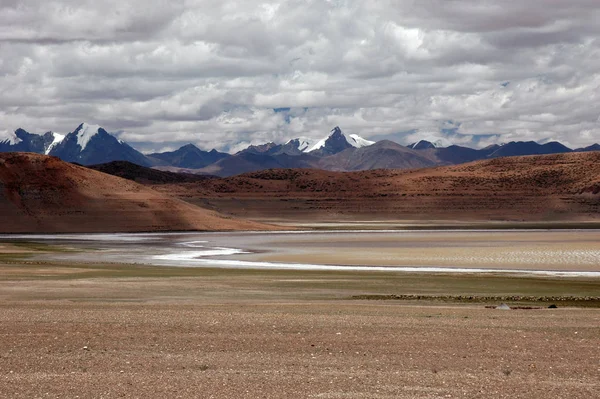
325,285
13,257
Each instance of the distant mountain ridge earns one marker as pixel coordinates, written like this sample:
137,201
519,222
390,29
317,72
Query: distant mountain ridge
437,142
91,144
517,148
189,156
23,141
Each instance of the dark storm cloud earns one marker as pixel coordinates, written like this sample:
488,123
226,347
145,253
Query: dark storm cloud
212,72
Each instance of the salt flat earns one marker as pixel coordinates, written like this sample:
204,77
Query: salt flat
549,252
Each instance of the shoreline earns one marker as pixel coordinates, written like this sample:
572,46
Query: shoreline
370,225
550,253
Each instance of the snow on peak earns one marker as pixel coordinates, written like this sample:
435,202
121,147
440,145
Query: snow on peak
441,142
85,133
12,139
354,140
57,138
302,142
317,145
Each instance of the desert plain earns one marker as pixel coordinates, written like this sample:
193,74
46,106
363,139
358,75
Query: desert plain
81,318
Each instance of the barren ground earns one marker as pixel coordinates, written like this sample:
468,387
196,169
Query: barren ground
107,331
549,188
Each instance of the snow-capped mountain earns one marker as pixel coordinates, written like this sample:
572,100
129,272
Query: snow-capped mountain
301,144
358,142
57,139
23,141
91,144
12,139
295,146
337,141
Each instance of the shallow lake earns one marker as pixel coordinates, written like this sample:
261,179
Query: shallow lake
538,252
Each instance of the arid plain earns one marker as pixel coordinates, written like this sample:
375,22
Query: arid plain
77,321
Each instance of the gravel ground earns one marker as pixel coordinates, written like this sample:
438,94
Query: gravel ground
178,348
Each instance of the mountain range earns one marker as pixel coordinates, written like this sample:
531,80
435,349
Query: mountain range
92,144
87,145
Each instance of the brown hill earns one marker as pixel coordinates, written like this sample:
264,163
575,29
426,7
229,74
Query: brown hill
545,187
39,193
383,154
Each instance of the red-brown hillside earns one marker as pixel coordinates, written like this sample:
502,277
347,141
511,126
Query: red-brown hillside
39,193
545,187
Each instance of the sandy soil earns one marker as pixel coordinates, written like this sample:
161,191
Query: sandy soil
269,348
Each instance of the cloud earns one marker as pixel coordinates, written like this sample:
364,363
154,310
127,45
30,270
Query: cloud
212,72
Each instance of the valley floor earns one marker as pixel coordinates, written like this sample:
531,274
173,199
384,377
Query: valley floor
96,329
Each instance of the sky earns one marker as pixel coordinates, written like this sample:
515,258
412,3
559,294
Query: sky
225,74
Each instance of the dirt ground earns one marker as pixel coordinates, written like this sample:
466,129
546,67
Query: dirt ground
243,335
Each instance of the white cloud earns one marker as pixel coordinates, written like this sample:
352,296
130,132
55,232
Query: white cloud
211,72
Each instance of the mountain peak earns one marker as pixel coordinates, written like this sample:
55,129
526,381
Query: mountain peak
22,140
337,141
430,142
189,147
301,144
91,144
13,138
593,147
356,141
84,134
260,148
